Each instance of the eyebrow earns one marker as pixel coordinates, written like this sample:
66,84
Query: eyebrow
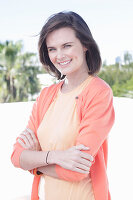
62,44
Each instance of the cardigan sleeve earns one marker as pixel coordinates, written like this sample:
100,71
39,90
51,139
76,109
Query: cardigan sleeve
32,124
97,120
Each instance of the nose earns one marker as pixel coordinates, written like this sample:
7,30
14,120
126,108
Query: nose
59,55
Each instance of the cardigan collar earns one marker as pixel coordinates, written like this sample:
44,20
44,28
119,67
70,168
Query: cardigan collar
85,90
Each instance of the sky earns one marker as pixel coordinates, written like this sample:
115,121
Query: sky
110,21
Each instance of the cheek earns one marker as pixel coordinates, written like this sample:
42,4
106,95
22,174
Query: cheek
51,57
78,55
77,52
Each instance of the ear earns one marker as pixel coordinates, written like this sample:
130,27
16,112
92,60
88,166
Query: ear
85,49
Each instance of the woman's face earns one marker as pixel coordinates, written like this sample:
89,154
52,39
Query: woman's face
66,51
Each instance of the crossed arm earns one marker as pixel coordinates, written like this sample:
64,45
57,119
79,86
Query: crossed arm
32,157
33,153
98,118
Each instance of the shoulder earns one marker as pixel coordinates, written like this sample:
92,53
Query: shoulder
47,91
98,86
96,90
45,96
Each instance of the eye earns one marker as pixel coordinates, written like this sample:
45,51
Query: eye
51,49
67,45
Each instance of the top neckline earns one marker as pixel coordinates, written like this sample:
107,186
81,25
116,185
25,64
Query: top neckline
75,87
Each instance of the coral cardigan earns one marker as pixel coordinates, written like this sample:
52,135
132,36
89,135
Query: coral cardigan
96,114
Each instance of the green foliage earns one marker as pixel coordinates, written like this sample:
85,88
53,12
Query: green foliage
128,58
120,78
18,73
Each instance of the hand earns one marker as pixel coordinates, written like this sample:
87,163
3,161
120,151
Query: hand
74,159
28,140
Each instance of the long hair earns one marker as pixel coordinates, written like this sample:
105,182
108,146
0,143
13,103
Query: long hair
72,20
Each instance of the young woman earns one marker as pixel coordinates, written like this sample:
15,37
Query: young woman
65,141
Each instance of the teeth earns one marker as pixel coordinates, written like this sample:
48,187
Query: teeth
64,63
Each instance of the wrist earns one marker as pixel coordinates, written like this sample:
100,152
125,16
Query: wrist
52,157
47,157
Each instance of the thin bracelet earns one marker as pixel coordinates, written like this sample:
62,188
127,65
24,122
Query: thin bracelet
47,156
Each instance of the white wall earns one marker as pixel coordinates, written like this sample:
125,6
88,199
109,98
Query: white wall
17,183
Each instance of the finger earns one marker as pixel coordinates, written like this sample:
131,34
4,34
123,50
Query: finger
31,132
83,167
30,139
86,156
33,136
85,162
23,137
22,144
80,170
19,137
89,163
81,146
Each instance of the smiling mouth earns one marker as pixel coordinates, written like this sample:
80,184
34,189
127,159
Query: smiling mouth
65,63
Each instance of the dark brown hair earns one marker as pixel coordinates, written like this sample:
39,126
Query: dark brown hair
72,20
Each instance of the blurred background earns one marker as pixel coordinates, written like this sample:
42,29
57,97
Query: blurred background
22,77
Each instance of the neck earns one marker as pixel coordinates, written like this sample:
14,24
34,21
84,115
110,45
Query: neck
75,78
73,82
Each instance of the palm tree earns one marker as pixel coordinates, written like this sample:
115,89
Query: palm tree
17,73
128,58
